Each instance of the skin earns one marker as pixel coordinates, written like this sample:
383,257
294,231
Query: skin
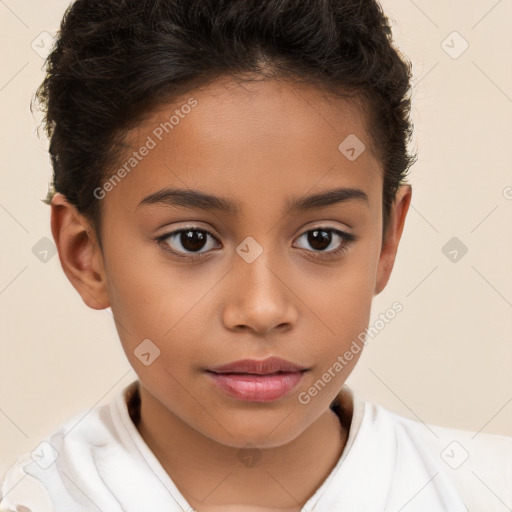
258,144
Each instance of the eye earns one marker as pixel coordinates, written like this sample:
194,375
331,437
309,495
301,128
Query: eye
193,242
187,241
320,239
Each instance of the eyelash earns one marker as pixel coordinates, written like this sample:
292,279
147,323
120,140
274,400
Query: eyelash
348,239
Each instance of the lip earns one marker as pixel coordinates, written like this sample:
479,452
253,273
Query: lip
257,381
259,367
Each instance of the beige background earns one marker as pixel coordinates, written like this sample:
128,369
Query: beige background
445,359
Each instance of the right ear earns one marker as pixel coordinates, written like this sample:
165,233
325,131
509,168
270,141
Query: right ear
79,252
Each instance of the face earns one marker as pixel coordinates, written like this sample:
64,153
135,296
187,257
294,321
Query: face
257,270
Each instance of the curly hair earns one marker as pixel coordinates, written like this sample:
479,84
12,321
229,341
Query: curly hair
113,61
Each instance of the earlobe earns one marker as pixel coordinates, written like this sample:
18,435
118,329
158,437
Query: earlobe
392,238
79,253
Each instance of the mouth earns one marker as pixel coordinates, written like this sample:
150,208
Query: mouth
256,380
269,366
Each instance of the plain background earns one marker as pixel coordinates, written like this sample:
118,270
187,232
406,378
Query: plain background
445,359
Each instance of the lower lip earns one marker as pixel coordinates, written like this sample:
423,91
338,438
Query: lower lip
257,388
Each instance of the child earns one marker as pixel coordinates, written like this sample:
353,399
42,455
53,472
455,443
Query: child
275,132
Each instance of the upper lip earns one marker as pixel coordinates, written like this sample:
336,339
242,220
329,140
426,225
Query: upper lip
258,367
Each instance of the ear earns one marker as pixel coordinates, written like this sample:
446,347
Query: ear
392,236
79,252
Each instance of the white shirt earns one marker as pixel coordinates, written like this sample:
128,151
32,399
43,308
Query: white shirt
389,463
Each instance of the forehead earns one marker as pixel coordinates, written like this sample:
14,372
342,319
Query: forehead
248,141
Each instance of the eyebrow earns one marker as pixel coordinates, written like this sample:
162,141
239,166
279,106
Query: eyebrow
195,199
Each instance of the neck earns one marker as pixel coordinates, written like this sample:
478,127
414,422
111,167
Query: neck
283,478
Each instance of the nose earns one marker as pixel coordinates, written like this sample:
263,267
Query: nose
259,298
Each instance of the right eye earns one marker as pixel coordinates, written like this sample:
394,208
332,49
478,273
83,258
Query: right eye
190,239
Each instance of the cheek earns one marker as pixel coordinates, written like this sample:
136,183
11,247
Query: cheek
339,303
342,295
343,309
144,289
165,304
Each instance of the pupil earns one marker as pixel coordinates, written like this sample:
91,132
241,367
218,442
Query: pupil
319,239
192,240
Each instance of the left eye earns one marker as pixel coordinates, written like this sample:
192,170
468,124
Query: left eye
321,238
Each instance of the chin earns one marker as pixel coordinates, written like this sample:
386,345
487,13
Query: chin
268,433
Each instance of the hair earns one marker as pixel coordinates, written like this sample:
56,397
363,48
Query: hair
114,61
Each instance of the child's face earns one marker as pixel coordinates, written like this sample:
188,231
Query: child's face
261,147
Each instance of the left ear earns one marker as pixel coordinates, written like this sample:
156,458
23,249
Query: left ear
392,236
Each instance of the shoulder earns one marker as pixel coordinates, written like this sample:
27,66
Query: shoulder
20,491
34,479
479,464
